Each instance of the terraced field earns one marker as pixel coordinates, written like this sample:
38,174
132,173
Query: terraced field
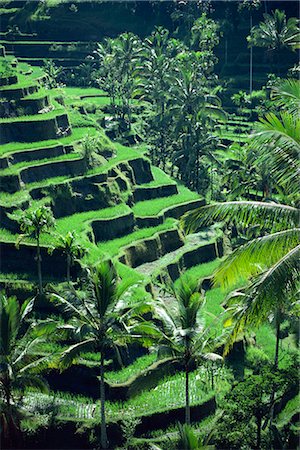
122,209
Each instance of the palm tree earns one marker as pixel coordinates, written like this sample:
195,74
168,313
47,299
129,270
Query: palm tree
100,322
181,333
19,365
157,74
271,260
276,32
33,223
251,6
195,110
71,248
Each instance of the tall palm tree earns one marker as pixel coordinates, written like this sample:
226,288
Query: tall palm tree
251,6
100,321
276,33
181,333
19,364
196,109
33,223
71,248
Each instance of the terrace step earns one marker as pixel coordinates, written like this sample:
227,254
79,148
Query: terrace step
32,155
174,211
141,193
15,92
111,228
69,167
151,249
37,129
196,249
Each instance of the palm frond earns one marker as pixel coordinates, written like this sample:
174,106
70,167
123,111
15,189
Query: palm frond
74,351
281,136
255,256
65,306
267,293
245,213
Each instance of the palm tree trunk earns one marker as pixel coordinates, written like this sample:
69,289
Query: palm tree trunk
272,398
39,264
68,268
277,343
187,393
102,399
251,62
258,432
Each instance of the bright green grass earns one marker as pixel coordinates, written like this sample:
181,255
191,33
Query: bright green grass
154,207
265,338
41,93
114,246
20,85
78,120
96,101
201,270
291,408
168,394
15,199
78,91
77,134
123,154
7,236
120,376
35,117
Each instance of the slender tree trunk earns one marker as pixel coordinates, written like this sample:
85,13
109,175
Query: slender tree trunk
68,268
277,343
187,393
251,62
104,443
39,264
272,398
258,432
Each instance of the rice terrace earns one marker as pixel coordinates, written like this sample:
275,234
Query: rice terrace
149,224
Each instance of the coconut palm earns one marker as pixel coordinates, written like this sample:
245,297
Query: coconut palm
270,260
276,32
100,323
19,364
181,333
33,223
195,110
71,248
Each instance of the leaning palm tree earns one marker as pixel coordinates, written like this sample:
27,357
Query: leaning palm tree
33,223
100,322
181,334
19,364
